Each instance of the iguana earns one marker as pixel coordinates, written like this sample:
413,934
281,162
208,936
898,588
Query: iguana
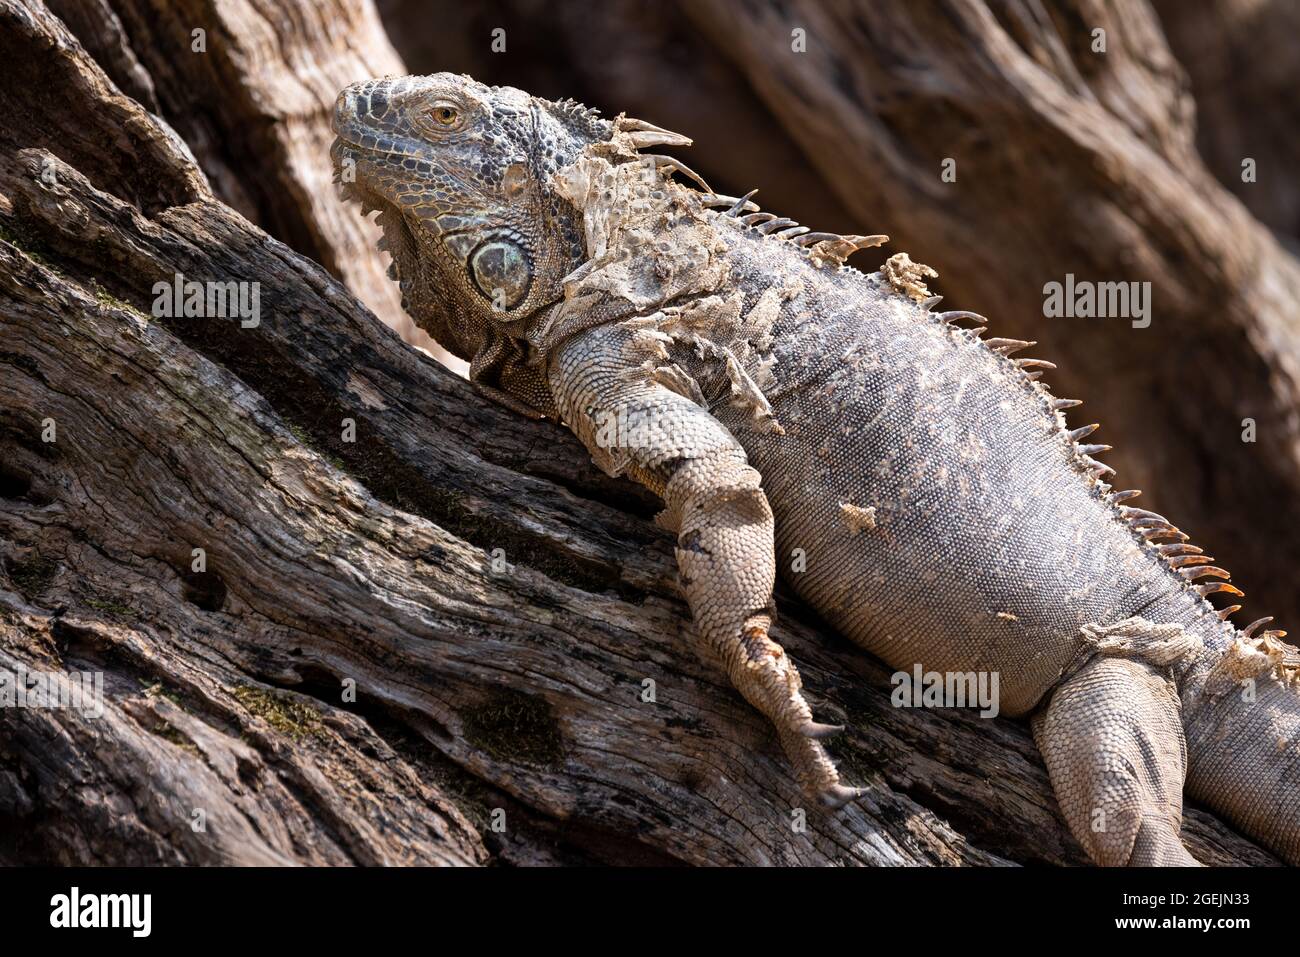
916,483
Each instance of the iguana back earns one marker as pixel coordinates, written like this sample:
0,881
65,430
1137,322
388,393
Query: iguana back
933,500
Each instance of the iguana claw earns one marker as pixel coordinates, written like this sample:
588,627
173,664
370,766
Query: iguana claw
811,729
838,795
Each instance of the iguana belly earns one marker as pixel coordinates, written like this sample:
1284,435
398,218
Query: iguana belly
927,505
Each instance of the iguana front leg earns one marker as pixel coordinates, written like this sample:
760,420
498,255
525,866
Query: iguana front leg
726,559
633,424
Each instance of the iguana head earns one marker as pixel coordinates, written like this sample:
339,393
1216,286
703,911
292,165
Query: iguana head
461,174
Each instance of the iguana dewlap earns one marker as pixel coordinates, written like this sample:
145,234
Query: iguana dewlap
915,483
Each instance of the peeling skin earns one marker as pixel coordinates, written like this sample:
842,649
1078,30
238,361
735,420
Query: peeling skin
831,253
908,277
1160,644
644,244
652,244
1251,659
673,377
857,519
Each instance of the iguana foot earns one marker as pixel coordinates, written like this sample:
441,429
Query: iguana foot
820,731
840,795
764,674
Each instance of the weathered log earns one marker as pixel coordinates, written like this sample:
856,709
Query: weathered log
497,605
250,87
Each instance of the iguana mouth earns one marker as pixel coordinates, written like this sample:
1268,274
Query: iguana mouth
342,145
352,189
342,141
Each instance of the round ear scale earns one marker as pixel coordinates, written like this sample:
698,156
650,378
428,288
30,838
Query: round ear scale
500,270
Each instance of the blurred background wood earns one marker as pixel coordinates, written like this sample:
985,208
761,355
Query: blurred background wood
1241,58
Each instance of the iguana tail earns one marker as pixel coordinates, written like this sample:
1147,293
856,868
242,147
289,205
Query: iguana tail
1241,719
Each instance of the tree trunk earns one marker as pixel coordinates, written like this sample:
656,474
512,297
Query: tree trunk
250,86
448,640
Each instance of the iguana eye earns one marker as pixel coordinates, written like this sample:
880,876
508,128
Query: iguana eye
445,115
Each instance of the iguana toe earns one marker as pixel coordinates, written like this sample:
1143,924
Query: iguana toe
838,795
812,729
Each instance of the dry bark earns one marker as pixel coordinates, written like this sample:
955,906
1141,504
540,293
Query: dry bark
253,104
478,686
1241,60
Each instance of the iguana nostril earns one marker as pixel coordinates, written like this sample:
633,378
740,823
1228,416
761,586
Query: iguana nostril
501,272
344,109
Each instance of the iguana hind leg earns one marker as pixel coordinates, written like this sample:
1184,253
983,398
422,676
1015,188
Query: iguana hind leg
1112,739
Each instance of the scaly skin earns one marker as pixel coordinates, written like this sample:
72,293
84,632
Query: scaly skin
913,482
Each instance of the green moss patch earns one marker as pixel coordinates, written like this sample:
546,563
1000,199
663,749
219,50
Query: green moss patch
111,608
512,726
291,718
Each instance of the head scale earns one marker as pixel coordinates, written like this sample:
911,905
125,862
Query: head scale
461,175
